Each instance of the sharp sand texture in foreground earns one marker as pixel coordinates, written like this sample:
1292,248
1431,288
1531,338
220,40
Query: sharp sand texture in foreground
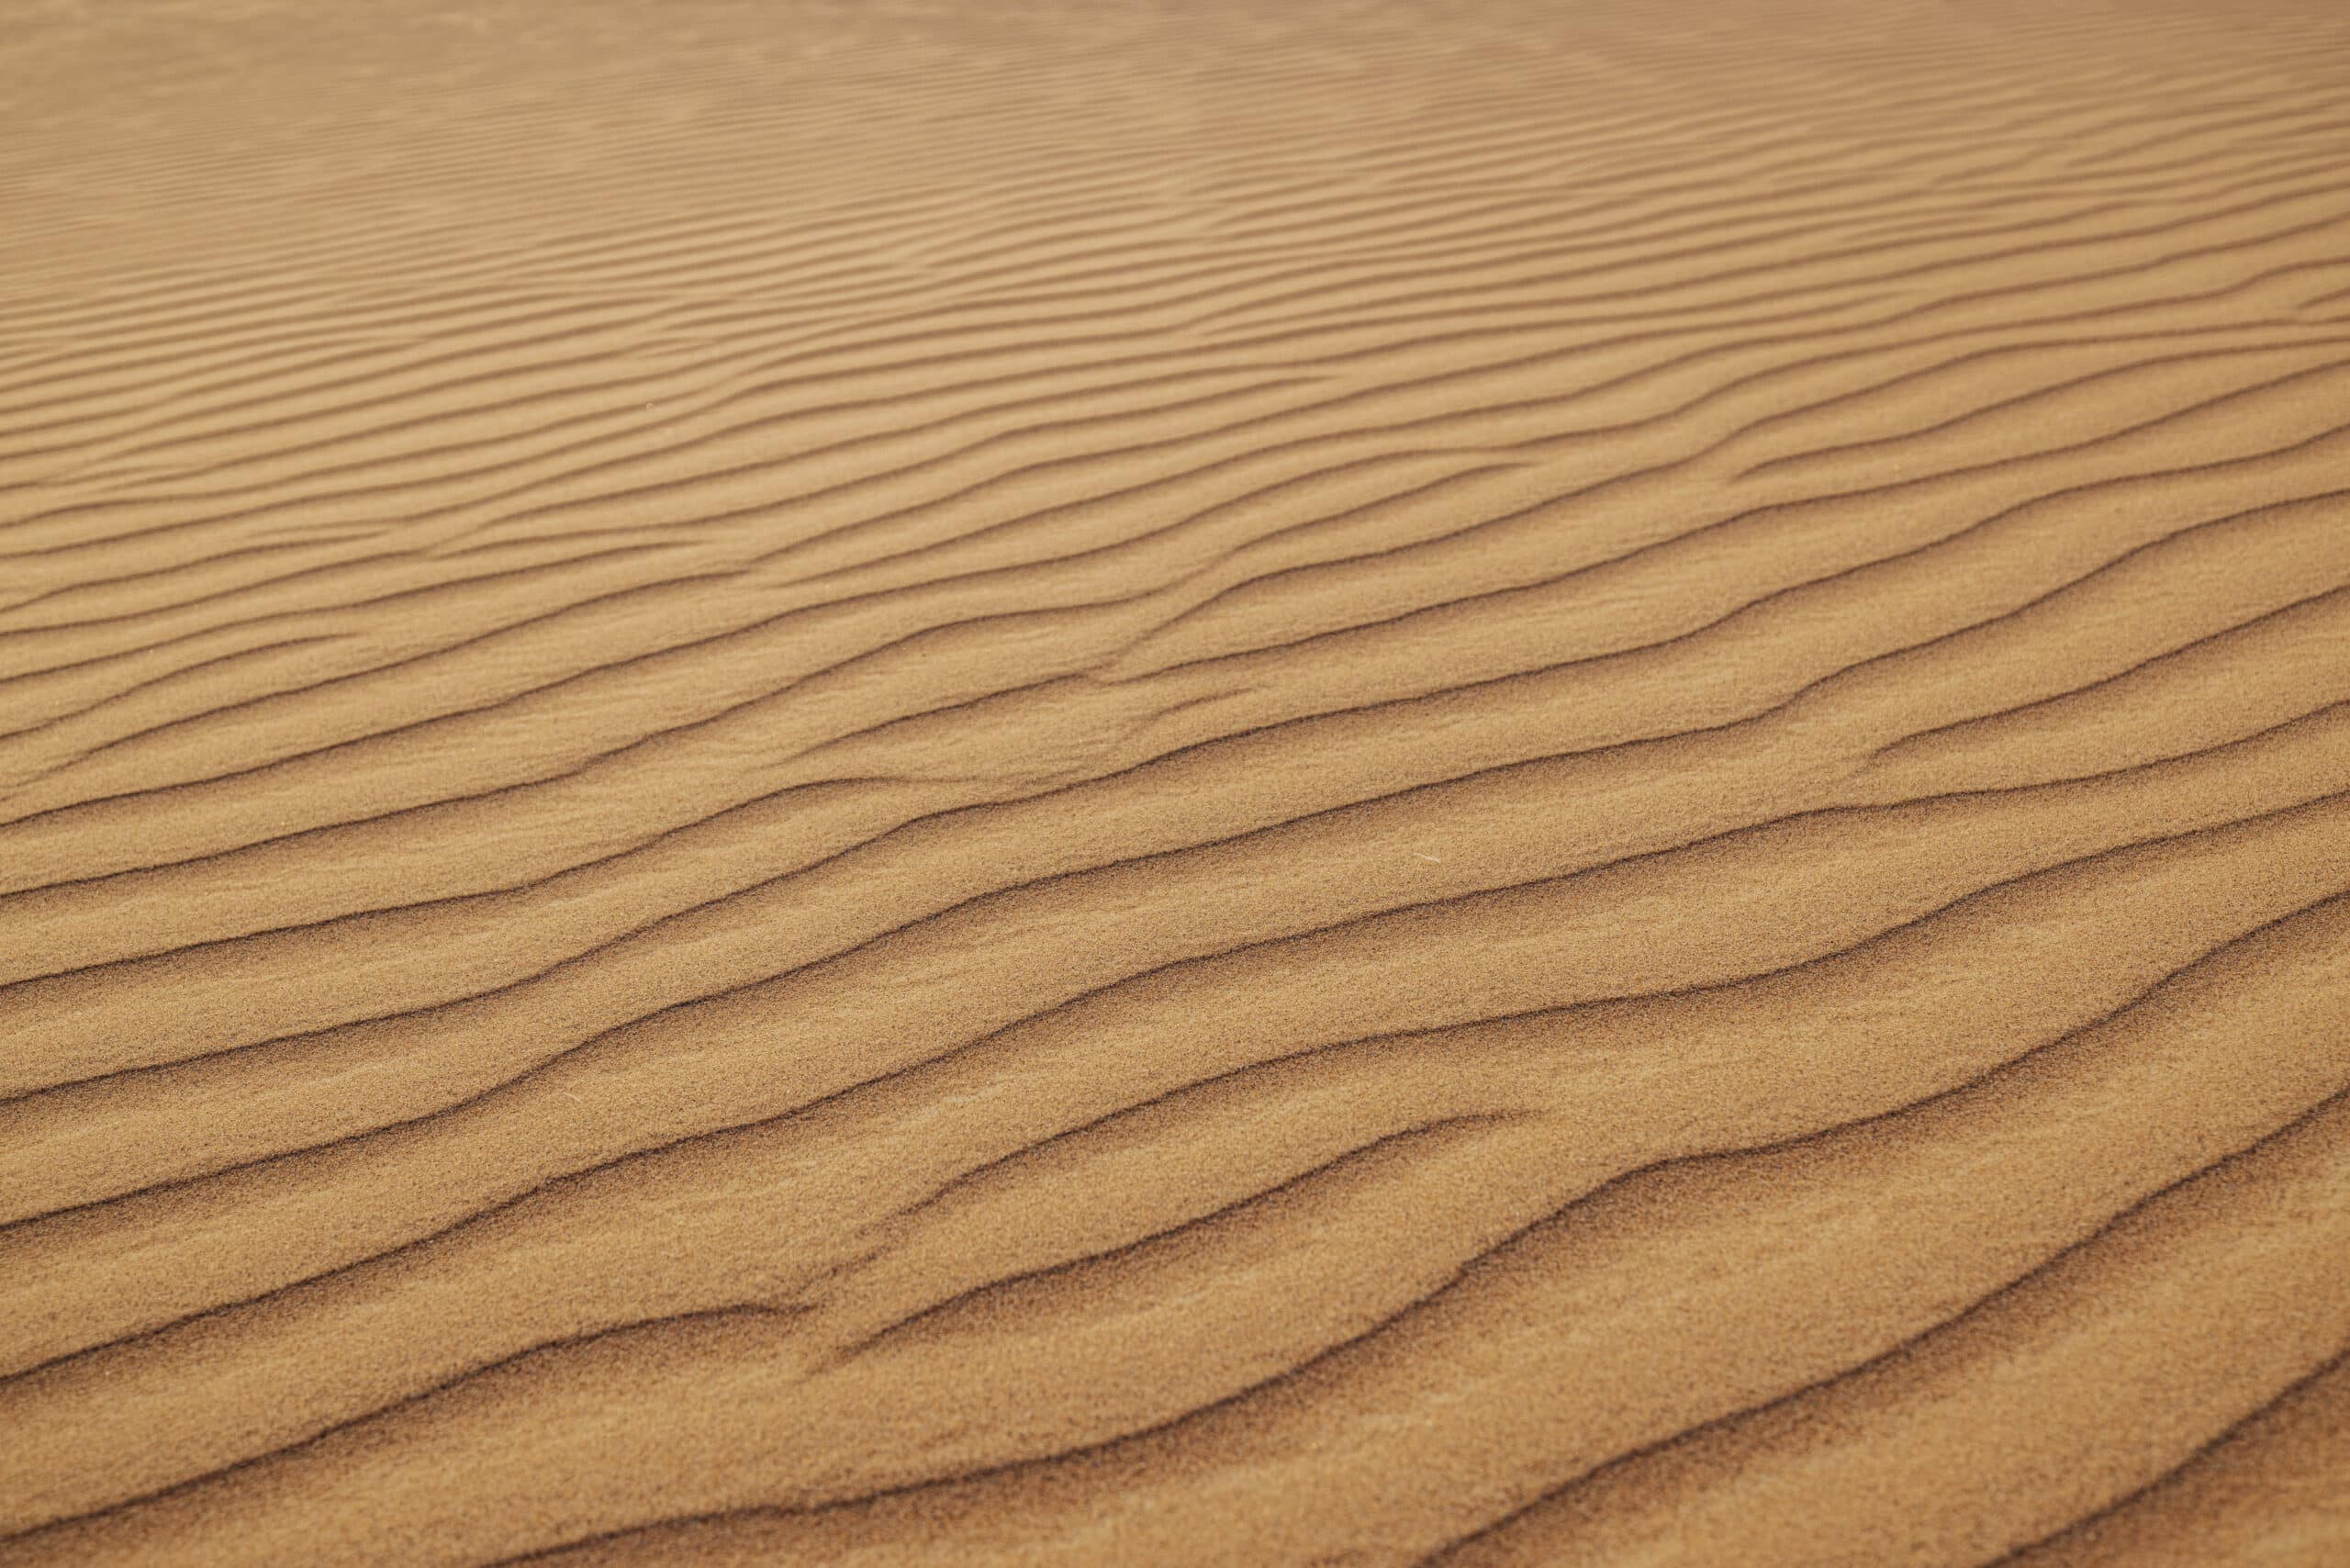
1093,782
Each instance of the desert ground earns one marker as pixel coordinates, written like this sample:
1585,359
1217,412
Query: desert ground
1175,782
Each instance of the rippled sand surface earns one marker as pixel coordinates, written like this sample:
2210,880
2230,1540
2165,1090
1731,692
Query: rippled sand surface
1110,783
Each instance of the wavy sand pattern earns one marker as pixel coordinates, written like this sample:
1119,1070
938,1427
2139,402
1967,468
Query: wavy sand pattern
1554,782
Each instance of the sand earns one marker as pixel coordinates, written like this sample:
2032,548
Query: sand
1081,783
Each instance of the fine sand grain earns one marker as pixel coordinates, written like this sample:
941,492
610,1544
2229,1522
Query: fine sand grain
1085,782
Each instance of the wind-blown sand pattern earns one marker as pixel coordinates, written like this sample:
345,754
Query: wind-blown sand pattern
1189,783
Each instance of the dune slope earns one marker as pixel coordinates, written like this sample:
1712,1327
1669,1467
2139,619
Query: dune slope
1194,783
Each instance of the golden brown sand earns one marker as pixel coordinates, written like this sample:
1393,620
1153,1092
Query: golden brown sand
1538,781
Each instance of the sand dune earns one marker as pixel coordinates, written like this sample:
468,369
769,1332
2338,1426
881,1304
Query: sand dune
1194,783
